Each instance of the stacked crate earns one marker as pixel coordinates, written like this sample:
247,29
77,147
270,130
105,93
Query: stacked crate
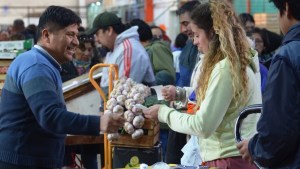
268,21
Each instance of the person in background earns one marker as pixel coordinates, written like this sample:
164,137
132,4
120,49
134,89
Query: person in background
162,62
19,28
31,29
266,43
226,84
34,120
165,37
99,52
277,142
81,64
83,58
17,36
157,33
248,23
259,47
187,62
180,43
125,50
159,53
271,39
189,54
9,29
4,35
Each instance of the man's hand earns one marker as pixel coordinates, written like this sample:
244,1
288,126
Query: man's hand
243,148
152,112
169,92
110,123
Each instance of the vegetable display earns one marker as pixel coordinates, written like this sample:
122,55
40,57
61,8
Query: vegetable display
123,98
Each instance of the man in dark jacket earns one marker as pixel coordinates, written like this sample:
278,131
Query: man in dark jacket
277,143
187,61
188,56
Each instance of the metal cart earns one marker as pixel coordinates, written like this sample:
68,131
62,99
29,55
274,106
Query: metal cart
243,114
113,75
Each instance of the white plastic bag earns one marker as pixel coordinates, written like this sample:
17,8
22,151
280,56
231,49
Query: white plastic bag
191,153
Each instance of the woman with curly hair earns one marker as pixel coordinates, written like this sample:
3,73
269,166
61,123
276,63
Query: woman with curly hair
226,84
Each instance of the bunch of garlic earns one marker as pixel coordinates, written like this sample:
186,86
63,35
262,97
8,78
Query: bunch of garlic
125,95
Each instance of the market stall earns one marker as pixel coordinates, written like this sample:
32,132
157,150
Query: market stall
9,50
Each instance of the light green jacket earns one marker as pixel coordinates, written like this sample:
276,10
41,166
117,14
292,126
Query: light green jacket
214,122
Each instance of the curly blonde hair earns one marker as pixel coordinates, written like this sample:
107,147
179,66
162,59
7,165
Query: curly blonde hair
228,41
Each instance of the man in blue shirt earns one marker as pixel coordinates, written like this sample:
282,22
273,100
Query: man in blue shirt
34,120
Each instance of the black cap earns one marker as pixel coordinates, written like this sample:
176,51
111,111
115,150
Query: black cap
103,20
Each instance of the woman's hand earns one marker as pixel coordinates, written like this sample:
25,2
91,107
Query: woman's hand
169,92
243,148
152,112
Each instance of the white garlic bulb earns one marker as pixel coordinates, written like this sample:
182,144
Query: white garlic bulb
136,111
128,127
129,104
112,102
113,136
121,99
138,121
137,134
129,116
118,109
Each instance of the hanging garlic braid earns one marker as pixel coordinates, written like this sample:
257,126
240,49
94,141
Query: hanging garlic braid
228,41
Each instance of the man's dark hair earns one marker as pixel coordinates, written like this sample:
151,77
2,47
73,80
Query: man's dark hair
55,18
144,29
154,37
31,32
270,39
83,38
19,24
294,6
81,29
187,7
180,40
244,17
31,28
